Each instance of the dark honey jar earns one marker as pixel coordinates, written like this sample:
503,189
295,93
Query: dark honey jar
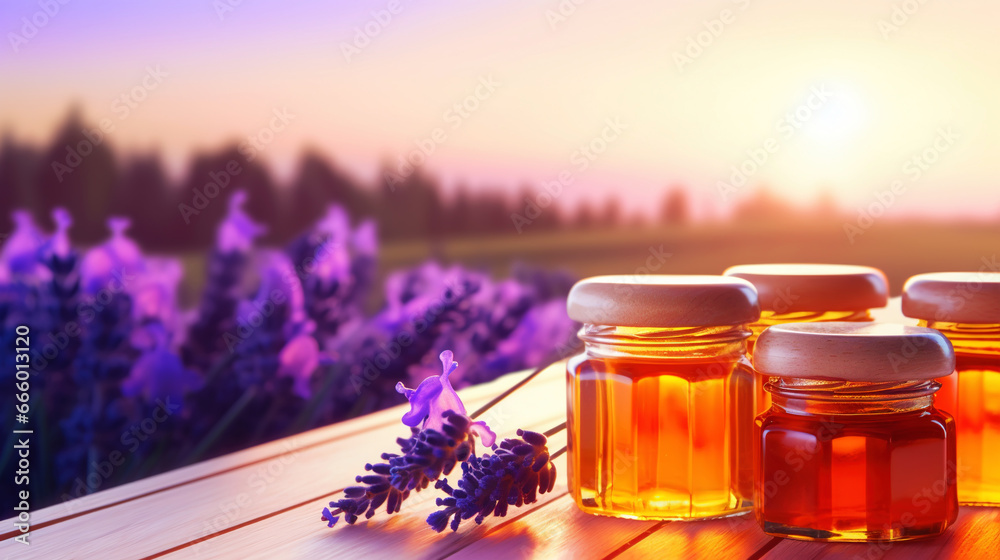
852,447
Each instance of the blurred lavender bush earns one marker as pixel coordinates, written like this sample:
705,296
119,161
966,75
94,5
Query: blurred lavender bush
126,384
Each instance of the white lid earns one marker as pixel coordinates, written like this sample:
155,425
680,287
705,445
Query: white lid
851,351
953,297
788,288
652,300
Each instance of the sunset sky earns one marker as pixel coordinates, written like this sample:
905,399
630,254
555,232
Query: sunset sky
884,89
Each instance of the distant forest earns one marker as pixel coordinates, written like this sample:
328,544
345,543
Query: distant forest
81,172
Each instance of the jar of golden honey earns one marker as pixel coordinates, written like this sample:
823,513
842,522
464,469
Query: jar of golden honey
966,308
852,448
809,293
660,402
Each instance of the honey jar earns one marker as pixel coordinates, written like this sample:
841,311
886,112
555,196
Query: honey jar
966,308
810,293
852,447
660,401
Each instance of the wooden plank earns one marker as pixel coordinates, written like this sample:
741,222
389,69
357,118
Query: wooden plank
299,533
731,537
474,397
560,531
975,535
153,523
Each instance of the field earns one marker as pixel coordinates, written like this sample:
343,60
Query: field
901,249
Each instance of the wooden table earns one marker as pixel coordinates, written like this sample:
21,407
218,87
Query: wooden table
265,502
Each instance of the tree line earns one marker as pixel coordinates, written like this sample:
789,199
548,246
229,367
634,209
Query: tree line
80,171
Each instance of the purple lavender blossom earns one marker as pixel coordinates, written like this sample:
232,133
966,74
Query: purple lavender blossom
20,257
238,230
154,304
518,470
435,396
58,244
159,374
108,265
336,267
204,346
298,359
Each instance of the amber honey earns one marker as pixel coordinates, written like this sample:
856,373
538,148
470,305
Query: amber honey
852,447
965,307
660,403
973,397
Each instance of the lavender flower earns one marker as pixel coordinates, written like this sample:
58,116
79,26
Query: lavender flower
298,359
238,231
226,267
444,440
19,259
114,260
336,267
159,373
435,397
518,470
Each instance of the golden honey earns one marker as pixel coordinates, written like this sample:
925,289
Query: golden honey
965,307
660,417
974,400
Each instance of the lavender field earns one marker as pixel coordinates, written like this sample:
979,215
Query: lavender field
131,382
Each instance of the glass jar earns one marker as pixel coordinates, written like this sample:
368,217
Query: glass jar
660,402
966,308
852,448
809,293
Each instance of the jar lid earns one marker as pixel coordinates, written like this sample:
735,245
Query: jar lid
849,351
953,297
663,300
789,288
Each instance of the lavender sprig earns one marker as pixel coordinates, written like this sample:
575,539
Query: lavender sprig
432,451
518,470
426,455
